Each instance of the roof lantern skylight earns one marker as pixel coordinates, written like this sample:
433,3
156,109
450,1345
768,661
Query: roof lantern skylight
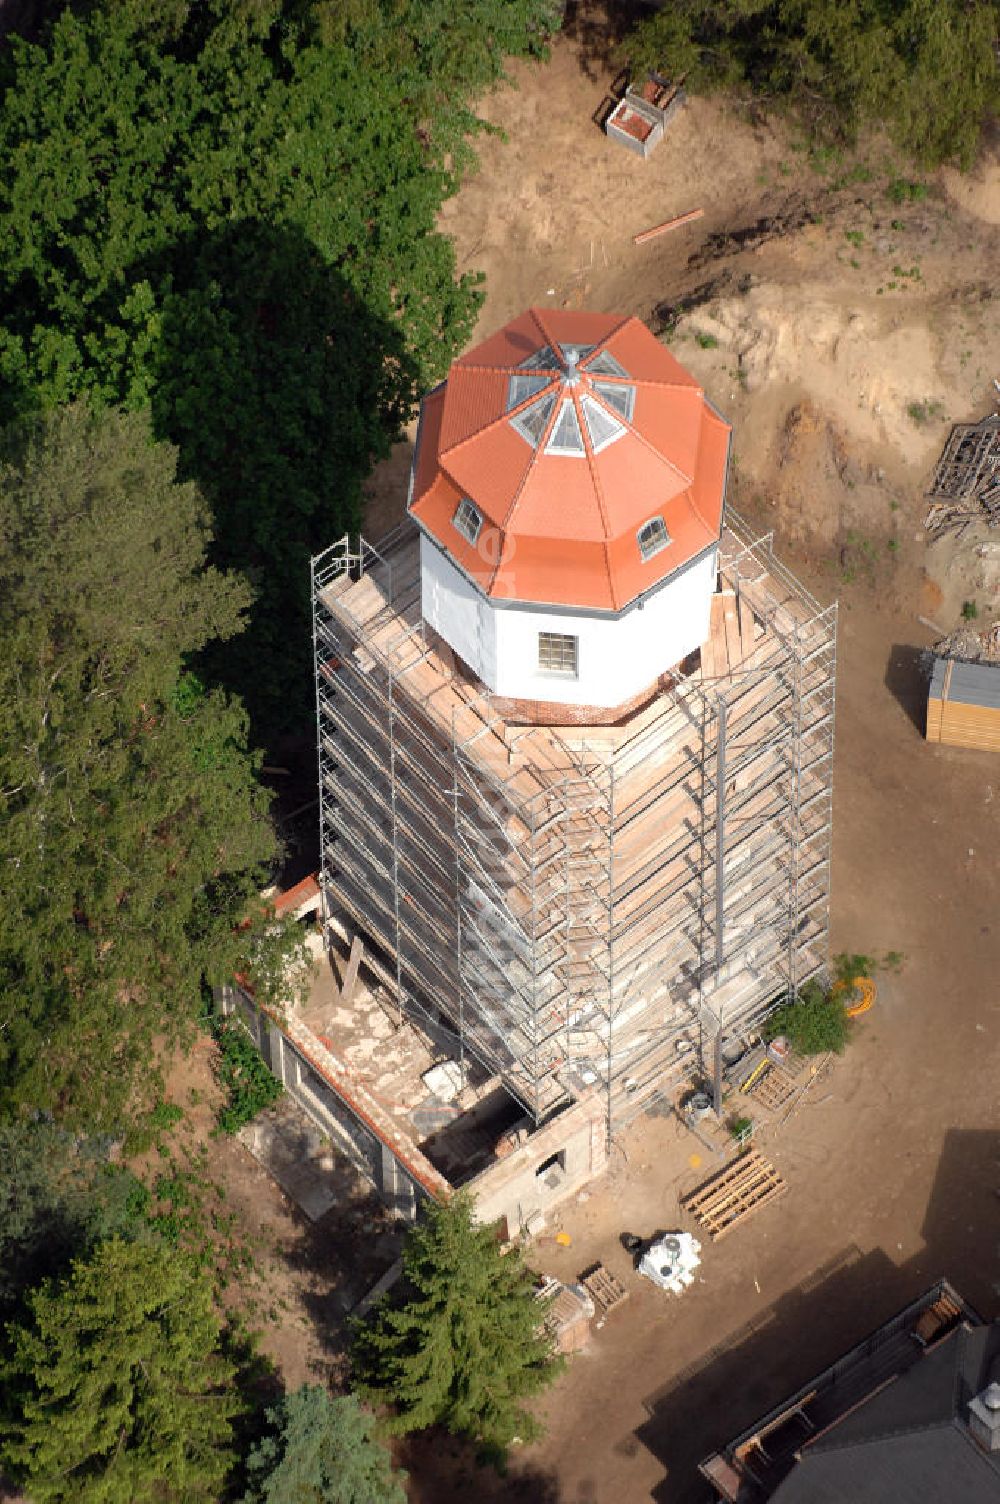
604,364
604,406
565,437
601,425
530,422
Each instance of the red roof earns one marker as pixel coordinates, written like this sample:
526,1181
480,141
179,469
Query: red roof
568,432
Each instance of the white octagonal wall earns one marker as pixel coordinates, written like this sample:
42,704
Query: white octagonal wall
617,657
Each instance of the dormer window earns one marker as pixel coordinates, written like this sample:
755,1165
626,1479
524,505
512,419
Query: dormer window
468,520
653,537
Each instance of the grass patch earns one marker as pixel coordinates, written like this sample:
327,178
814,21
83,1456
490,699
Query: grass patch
906,191
924,412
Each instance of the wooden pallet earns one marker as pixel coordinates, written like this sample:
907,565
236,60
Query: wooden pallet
737,1191
773,1088
605,1288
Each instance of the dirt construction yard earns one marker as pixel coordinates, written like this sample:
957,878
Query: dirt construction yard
842,314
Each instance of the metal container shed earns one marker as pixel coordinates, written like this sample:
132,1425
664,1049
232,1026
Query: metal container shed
963,704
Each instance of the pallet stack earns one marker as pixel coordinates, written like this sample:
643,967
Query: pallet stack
735,1193
966,484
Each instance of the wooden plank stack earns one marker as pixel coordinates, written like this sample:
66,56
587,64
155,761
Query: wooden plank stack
735,1193
963,705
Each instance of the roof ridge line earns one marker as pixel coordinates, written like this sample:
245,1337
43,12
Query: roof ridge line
687,479
892,1433
598,492
694,505
536,313
505,416
515,499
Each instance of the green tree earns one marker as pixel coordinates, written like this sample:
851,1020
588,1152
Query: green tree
59,1197
135,834
230,211
114,1388
461,1346
927,70
321,1451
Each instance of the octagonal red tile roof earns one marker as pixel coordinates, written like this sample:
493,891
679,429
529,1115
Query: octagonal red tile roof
568,431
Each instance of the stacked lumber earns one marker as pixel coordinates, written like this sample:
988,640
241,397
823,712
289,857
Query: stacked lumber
963,705
939,1317
735,1193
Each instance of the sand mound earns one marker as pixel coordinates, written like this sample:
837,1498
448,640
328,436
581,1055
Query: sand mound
863,363
978,191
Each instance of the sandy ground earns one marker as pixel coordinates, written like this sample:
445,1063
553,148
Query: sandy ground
841,332
841,388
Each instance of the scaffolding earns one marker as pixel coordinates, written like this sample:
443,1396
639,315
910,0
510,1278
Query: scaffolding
583,908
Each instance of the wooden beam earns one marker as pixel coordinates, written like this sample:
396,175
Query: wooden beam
351,969
668,224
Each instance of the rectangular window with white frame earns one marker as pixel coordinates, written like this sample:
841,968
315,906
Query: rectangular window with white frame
558,653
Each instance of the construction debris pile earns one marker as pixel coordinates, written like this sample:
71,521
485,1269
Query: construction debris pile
966,484
970,646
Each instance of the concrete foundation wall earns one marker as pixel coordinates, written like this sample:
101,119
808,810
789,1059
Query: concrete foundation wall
340,1108
524,1188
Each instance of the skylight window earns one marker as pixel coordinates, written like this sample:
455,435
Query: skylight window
604,364
520,388
530,422
541,360
653,537
602,427
621,398
468,520
565,437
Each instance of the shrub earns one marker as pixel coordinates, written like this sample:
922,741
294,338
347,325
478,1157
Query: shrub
241,1070
815,1022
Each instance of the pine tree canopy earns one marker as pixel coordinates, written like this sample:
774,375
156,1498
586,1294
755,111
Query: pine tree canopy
461,1345
927,70
135,835
114,1389
321,1451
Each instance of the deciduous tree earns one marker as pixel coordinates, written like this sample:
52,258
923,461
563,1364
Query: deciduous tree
230,211
927,70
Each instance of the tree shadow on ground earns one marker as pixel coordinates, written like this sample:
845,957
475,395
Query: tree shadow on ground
445,1470
598,30
842,1303
280,388
906,681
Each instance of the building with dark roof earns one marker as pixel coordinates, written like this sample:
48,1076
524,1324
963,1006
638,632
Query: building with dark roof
912,1413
